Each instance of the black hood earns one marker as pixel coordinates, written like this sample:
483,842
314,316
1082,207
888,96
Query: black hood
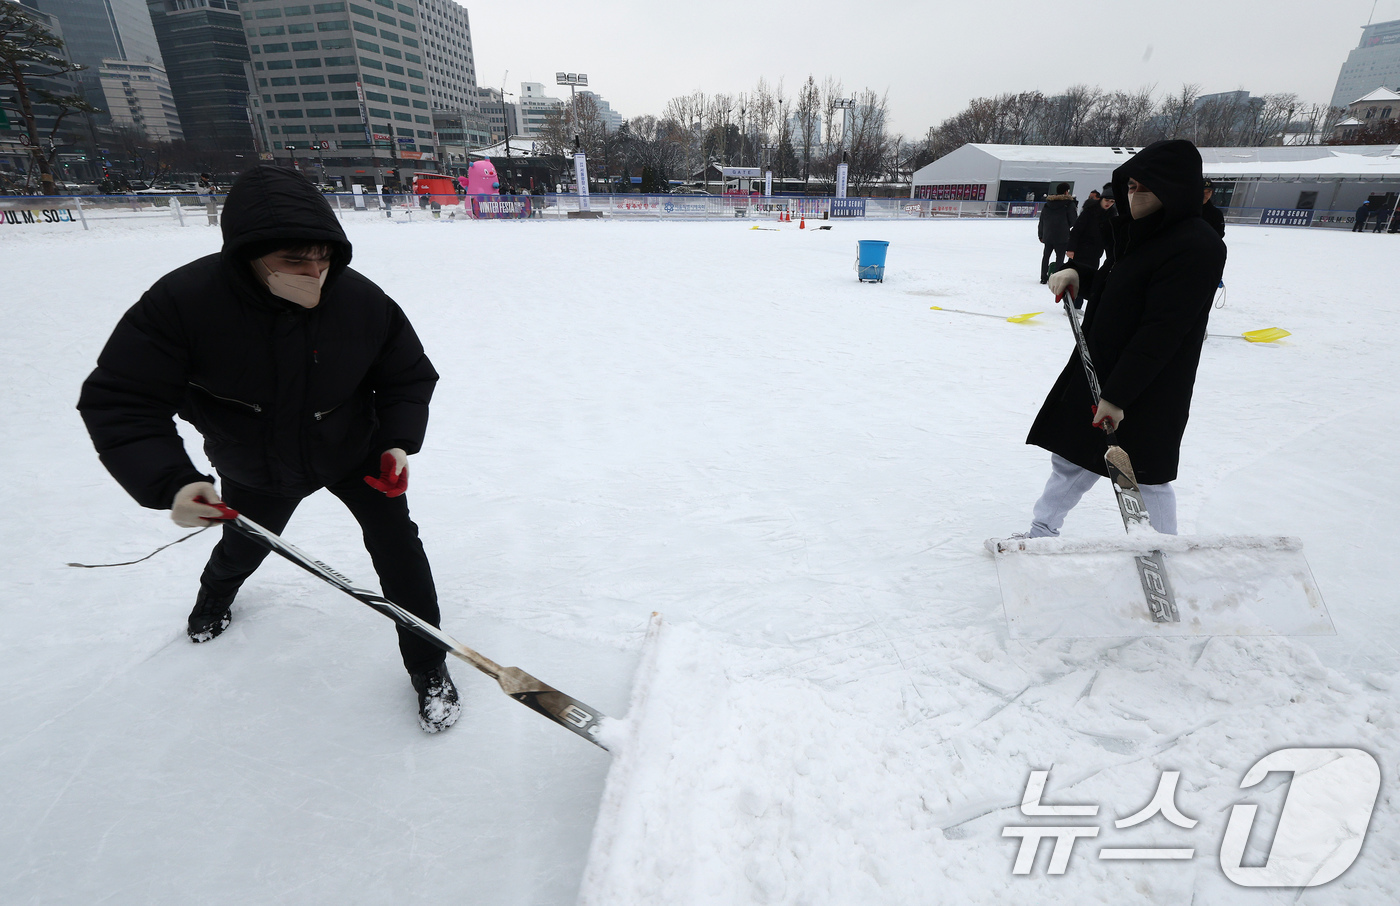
270,203
1171,170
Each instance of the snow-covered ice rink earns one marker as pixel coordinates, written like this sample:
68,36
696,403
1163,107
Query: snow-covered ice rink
798,471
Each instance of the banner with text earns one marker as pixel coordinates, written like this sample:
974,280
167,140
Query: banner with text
847,207
975,191
581,180
1285,217
500,207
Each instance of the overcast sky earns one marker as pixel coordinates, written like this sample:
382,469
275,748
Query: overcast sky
931,56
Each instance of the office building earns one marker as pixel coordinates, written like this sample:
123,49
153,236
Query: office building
99,30
449,60
535,108
137,96
610,117
206,59
502,116
1373,63
344,74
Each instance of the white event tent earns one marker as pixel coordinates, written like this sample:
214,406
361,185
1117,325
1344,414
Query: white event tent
1319,177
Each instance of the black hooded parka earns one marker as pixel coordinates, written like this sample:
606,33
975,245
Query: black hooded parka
1057,218
288,399
1146,328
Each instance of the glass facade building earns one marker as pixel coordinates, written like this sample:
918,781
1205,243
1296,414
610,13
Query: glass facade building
97,30
206,60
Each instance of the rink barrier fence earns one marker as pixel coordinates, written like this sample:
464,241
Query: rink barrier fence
191,209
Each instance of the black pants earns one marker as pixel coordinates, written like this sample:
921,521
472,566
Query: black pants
1059,251
390,537
1360,226
1086,284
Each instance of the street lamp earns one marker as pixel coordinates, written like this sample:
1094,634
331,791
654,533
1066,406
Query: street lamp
573,80
843,104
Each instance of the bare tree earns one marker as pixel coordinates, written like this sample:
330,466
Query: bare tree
1066,116
1316,122
555,134
869,140
30,52
1274,119
1122,118
1177,111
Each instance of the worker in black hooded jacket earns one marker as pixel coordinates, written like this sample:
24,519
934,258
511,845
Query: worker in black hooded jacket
1209,212
300,374
1057,218
1144,331
1092,233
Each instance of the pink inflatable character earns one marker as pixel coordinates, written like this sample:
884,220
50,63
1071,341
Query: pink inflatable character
481,179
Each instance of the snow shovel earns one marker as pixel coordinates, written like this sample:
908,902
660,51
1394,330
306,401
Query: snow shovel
1225,586
1014,319
567,712
1263,335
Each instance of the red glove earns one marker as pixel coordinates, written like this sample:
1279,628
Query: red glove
197,505
393,473
228,511
1107,416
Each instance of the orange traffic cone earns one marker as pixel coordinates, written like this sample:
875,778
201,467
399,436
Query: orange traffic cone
802,224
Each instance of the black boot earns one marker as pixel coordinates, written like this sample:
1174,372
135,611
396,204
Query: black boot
210,615
438,707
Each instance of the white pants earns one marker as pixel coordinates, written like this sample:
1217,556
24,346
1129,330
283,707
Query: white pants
1068,483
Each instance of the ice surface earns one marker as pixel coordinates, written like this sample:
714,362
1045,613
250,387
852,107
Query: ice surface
798,471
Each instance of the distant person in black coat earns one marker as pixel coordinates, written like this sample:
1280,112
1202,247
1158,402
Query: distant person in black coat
1057,218
1209,212
1092,234
1144,331
1362,213
1382,217
301,374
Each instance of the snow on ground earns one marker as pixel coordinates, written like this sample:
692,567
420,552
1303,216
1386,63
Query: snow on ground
718,424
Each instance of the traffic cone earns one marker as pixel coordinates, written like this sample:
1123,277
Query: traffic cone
802,223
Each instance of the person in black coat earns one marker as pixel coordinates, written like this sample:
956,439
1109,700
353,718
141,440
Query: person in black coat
1362,213
1092,233
1057,218
1209,212
1144,333
300,374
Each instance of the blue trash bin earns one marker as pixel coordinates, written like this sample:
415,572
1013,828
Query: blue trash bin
870,260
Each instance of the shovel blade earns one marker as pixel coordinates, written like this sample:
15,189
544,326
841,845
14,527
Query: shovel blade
1236,585
1266,335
